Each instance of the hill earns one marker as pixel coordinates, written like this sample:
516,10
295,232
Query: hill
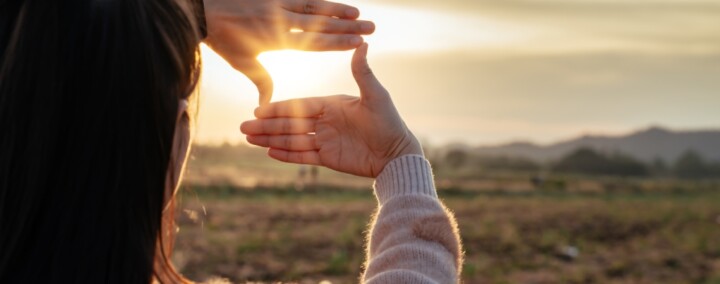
646,145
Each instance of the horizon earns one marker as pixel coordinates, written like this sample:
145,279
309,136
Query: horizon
517,141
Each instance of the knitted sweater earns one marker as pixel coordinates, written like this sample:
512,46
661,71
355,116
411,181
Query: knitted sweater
414,238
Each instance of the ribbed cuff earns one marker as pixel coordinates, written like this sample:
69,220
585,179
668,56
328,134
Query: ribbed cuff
406,175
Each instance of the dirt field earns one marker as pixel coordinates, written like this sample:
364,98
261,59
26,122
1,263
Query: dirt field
279,234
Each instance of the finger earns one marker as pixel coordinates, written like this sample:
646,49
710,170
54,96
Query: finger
253,69
319,7
310,41
302,142
277,126
312,23
370,87
304,157
298,108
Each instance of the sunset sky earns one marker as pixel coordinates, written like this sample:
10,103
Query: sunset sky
487,72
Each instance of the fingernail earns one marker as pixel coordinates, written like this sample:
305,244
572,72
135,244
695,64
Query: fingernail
367,27
352,13
355,41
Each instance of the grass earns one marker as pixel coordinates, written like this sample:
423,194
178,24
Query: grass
279,234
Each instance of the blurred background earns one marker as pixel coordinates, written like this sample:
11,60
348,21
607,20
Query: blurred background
577,141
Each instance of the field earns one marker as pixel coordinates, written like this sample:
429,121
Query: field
271,229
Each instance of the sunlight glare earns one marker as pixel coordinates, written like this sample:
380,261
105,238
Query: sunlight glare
304,74
227,98
399,29
403,29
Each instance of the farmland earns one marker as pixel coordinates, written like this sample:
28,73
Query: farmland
244,223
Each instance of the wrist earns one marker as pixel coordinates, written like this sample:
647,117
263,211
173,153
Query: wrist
407,147
410,146
413,149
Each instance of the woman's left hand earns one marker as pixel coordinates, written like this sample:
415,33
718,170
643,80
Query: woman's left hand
239,30
354,135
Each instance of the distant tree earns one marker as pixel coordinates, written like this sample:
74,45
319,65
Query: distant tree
589,161
624,165
691,165
437,164
714,169
583,160
509,163
456,158
659,167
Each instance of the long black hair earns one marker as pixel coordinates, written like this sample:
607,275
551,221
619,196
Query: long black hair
89,94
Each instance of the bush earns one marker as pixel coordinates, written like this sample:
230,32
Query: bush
591,162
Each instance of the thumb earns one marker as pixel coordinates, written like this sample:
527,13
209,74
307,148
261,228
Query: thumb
259,76
370,87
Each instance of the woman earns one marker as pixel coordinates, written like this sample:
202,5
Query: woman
96,130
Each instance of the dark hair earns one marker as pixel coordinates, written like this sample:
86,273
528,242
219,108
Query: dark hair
88,104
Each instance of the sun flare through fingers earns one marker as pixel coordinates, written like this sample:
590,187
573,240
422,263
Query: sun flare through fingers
305,74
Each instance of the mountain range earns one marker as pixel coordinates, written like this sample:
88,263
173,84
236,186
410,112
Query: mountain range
646,145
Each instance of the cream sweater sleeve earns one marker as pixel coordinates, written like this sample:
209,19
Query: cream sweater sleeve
414,238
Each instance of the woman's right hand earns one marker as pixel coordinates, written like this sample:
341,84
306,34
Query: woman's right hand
355,135
239,30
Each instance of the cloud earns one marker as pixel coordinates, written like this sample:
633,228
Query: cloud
679,26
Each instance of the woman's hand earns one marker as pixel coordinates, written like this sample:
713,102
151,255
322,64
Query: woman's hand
348,134
239,30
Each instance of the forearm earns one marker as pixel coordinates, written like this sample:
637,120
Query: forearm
414,238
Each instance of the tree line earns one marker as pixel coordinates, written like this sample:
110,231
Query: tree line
587,161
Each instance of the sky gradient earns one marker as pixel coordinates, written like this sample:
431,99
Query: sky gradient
487,72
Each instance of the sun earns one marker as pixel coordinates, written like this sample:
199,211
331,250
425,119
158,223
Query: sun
295,74
303,74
